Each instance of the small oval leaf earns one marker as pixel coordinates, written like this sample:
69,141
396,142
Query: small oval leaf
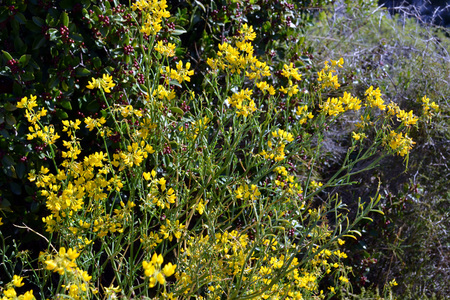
64,19
177,110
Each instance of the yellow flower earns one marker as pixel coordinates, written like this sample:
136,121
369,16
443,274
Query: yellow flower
374,98
393,283
181,73
17,281
105,83
400,144
10,293
28,296
290,90
358,136
27,103
169,269
289,71
338,63
247,33
166,50
332,107
407,119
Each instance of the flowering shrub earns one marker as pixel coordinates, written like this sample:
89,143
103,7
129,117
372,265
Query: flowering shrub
205,195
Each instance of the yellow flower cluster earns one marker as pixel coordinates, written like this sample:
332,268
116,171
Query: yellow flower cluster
241,59
336,106
229,255
326,77
152,269
276,148
314,185
247,192
373,98
77,281
198,126
290,90
302,112
152,13
399,143
179,74
9,292
242,102
105,83
358,136
265,87
406,118
158,193
134,155
288,183
429,109
172,229
45,133
166,50
150,241
290,71
163,94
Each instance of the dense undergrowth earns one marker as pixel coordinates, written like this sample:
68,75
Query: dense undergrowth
405,58
181,151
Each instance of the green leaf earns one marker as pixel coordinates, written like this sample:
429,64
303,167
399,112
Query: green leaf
24,59
33,27
64,86
53,34
4,133
97,11
38,21
19,46
7,161
5,205
9,106
50,20
178,31
93,106
54,52
201,5
38,42
81,72
17,88
61,114
175,82
20,170
20,18
177,110
64,18
97,62
77,37
28,76
104,31
4,14
53,82
66,104
15,188
10,120
29,190
7,55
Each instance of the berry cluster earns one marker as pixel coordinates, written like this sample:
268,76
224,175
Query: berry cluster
64,31
14,66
